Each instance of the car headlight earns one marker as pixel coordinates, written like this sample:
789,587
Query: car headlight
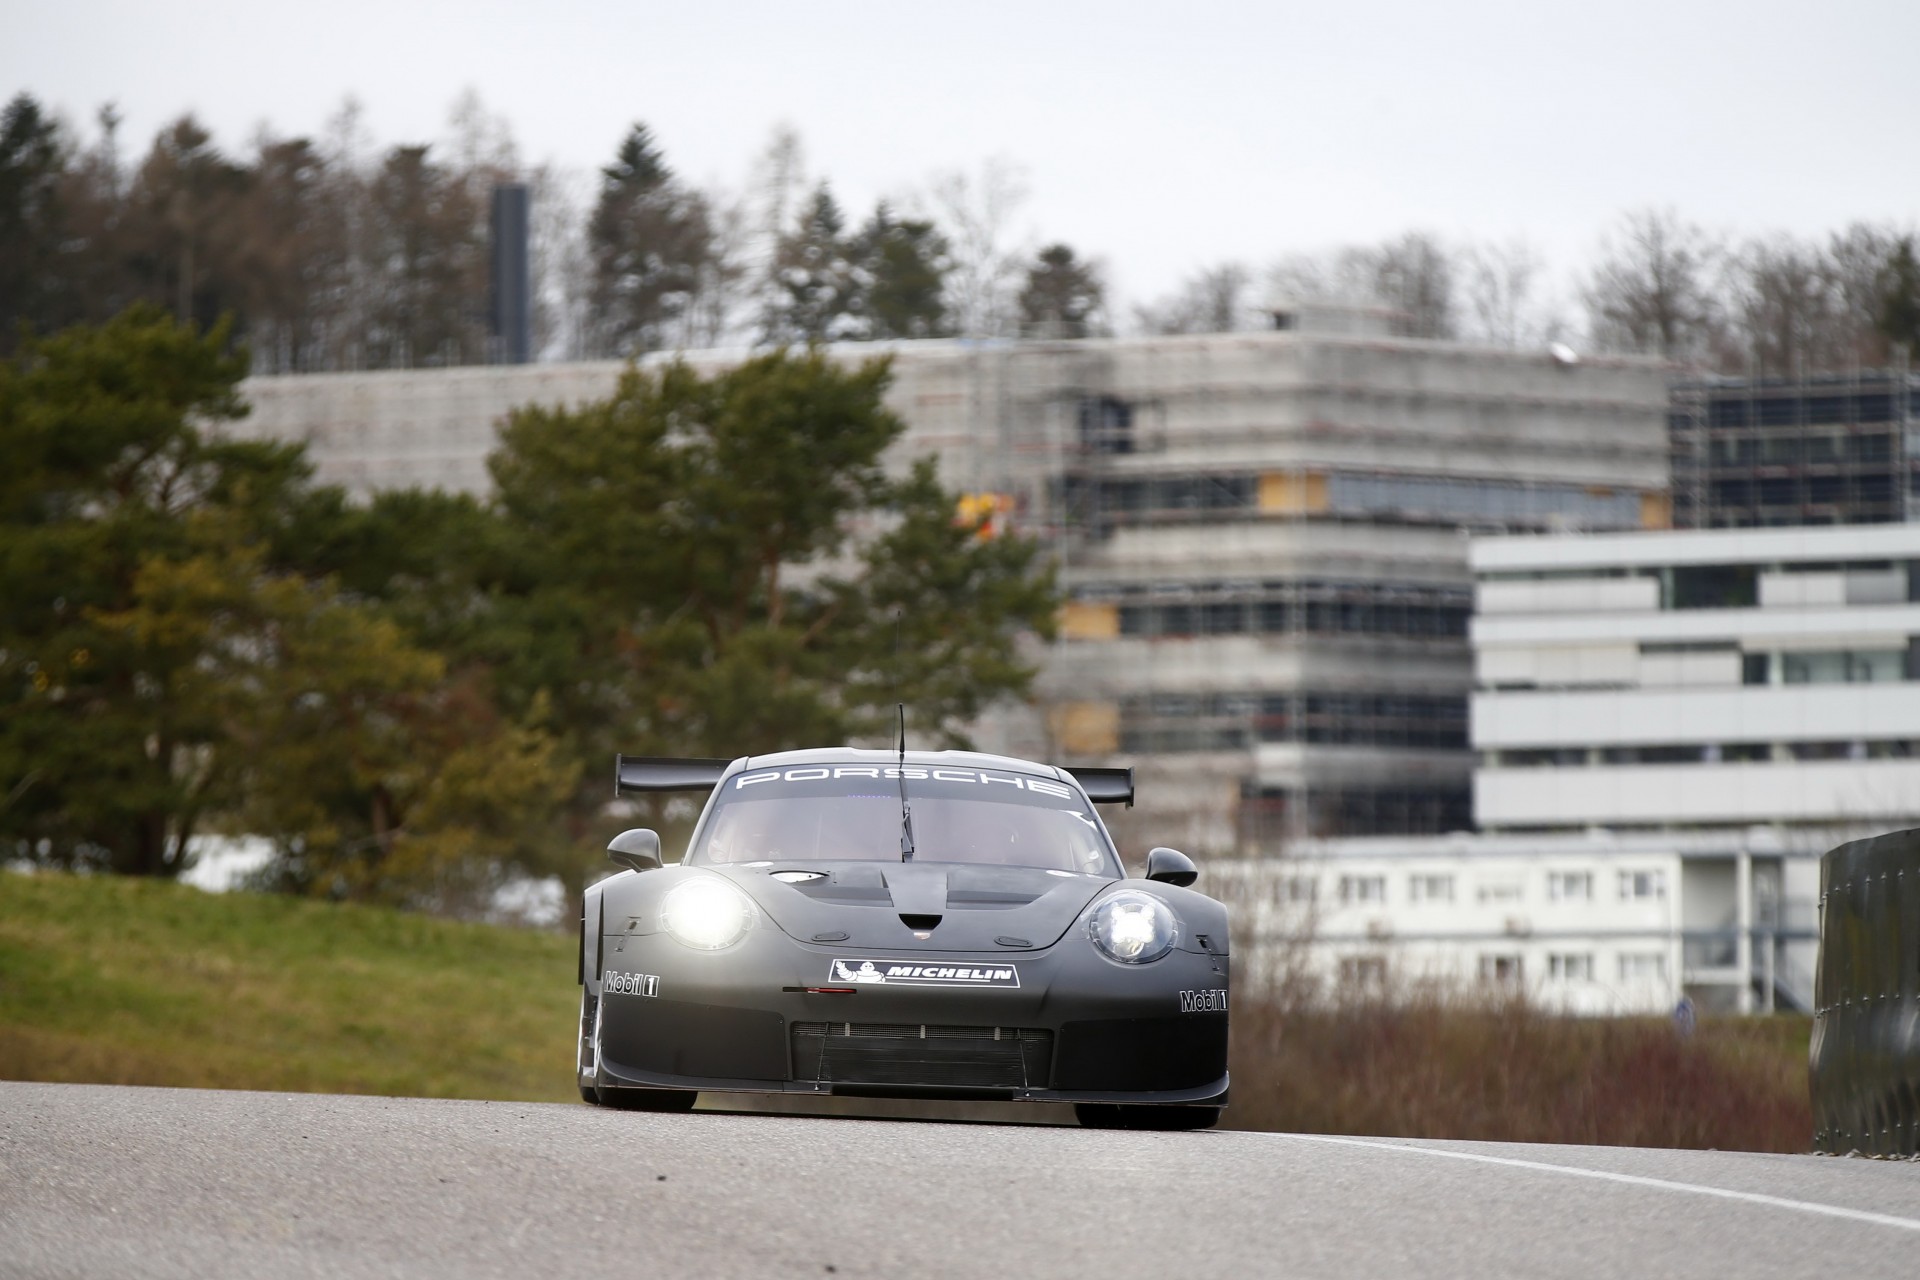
1133,927
706,914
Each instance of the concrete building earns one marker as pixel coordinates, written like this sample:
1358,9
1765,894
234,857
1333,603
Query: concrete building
1671,729
1262,535
1589,922
1826,449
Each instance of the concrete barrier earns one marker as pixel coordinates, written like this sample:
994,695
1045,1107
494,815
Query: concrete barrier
1864,1065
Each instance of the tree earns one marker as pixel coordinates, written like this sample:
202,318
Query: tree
977,214
818,292
900,268
1652,291
31,217
1414,275
1063,296
1898,314
115,506
649,240
692,561
179,228
1499,288
1787,316
1213,301
429,264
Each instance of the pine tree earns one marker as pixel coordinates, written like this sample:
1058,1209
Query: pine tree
649,240
900,269
1063,296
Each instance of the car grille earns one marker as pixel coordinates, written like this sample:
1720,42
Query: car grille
873,1053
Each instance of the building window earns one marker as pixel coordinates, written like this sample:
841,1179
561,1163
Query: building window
1500,891
1430,888
1364,972
1503,968
1294,889
1636,886
1363,889
1570,886
1571,966
1643,966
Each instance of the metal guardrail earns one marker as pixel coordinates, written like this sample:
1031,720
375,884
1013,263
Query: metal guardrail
1864,1063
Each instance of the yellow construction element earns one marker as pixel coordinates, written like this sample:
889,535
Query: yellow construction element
987,510
1293,492
1089,620
1085,728
1656,509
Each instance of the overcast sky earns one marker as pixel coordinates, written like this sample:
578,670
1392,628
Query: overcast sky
1161,138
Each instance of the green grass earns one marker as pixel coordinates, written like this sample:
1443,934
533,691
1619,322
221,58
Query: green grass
137,982
129,981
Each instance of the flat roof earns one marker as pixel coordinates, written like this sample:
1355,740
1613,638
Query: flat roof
1521,552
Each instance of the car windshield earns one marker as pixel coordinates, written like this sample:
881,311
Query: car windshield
832,813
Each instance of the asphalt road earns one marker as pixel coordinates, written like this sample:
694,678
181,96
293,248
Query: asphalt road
98,1181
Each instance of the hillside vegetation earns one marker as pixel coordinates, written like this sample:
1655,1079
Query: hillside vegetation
133,981
136,981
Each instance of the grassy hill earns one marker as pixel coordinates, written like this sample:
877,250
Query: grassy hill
135,982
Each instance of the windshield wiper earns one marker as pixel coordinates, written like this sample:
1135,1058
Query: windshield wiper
906,810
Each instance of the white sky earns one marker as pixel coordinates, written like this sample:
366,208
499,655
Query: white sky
1161,138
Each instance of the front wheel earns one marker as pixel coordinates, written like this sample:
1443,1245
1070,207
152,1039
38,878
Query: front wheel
1111,1115
645,1099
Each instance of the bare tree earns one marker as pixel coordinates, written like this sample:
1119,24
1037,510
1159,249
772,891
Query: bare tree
977,213
1858,259
1787,314
1500,294
1415,276
1216,300
1412,276
1652,291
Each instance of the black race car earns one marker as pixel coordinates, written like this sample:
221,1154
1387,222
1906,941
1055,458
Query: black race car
912,924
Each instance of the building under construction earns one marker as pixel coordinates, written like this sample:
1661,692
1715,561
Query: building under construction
1826,449
1261,535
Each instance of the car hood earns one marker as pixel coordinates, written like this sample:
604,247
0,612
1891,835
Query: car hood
959,907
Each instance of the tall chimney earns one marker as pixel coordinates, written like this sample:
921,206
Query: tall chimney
510,318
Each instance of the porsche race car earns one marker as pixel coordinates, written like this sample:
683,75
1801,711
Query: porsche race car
948,925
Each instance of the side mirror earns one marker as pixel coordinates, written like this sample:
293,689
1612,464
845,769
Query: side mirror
1170,866
638,849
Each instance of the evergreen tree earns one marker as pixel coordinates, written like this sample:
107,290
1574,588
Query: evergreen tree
31,218
649,241
900,270
818,290
1898,315
1063,295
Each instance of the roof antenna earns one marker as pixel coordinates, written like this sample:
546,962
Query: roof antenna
906,811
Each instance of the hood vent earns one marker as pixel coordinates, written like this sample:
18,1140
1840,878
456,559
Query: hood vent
919,924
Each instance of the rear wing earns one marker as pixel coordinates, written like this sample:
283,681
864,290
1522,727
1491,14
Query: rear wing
1104,786
635,774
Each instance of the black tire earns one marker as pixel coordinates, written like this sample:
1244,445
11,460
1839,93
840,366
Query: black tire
645,1099
588,1095
1110,1115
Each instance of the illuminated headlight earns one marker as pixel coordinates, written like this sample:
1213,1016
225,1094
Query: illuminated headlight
1133,927
706,914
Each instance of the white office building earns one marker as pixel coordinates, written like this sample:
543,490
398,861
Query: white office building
1669,728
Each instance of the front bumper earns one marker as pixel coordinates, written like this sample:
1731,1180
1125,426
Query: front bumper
1077,1028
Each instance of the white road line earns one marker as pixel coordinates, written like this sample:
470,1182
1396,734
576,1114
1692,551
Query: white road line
1631,1179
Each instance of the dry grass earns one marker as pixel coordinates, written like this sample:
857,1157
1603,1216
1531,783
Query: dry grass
1429,1066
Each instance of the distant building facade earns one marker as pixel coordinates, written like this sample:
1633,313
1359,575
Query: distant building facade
1829,449
1261,535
